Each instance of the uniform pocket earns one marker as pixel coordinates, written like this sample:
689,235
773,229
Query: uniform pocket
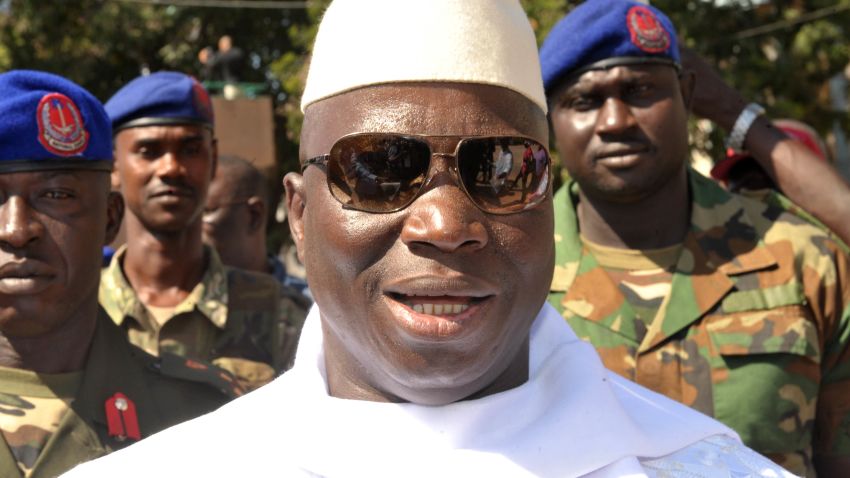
766,377
784,330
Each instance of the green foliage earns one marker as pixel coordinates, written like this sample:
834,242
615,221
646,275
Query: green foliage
785,68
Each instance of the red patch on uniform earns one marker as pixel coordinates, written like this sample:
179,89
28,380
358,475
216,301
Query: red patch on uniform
202,100
60,125
647,32
122,422
195,365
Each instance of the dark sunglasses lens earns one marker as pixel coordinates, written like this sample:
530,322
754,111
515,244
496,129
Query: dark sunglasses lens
504,175
377,172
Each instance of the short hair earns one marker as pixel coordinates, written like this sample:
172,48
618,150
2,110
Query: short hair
247,179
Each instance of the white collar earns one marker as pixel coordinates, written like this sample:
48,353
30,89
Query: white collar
572,414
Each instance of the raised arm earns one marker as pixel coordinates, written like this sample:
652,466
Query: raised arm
807,180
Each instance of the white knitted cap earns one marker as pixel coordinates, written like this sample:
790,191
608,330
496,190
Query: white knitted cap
368,42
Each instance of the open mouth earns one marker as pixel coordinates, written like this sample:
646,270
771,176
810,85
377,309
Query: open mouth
437,305
437,317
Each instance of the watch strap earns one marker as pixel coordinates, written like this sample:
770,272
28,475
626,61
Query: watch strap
750,113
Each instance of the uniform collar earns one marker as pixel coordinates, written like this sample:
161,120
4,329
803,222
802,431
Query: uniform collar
716,216
210,296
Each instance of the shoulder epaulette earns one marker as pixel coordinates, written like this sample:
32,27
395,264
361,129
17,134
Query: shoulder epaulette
175,366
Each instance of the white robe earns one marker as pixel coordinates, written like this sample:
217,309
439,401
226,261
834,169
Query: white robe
572,418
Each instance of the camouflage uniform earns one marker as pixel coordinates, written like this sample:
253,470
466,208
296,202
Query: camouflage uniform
780,200
157,387
754,331
241,321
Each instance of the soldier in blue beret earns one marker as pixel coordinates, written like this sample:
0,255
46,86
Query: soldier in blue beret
165,288
72,388
732,305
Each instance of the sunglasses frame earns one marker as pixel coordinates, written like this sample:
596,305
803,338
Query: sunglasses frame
322,161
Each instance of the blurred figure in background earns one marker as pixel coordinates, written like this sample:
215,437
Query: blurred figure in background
225,64
235,220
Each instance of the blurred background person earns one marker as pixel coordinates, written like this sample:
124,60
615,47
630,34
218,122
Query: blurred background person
236,218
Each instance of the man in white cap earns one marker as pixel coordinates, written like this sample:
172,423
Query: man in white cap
431,351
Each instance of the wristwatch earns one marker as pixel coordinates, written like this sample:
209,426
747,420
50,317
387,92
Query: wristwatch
735,140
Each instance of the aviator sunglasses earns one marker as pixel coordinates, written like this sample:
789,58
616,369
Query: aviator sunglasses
386,172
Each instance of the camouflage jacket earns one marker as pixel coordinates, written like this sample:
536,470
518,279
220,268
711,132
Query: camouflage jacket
754,331
159,389
244,322
777,199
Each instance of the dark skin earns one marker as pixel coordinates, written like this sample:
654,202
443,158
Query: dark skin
820,191
622,135
164,173
53,225
235,224
366,269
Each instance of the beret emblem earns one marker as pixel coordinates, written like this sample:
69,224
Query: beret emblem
646,31
60,125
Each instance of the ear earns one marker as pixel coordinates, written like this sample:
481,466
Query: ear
114,215
114,179
257,212
687,84
296,204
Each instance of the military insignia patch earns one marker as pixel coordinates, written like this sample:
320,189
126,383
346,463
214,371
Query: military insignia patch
121,419
60,125
647,32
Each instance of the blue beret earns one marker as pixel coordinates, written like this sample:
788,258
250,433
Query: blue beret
606,33
48,122
162,98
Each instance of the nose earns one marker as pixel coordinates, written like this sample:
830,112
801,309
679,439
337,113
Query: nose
444,218
615,116
169,165
18,227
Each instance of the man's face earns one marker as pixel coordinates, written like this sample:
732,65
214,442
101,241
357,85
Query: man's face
164,172
227,219
368,271
53,225
622,132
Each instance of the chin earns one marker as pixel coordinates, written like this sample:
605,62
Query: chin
22,325
434,397
435,386
171,224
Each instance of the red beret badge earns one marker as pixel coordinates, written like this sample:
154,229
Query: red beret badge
60,125
647,32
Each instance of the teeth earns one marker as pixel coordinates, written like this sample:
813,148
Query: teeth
439,309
